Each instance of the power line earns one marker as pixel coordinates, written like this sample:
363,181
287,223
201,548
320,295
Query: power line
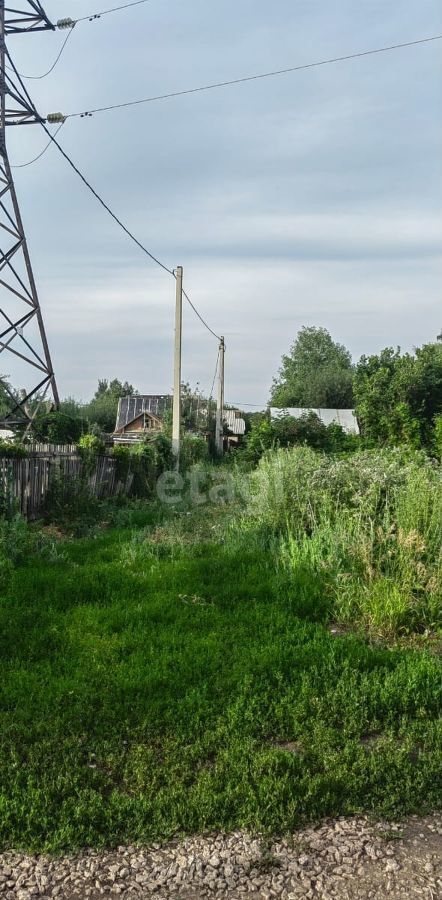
104,205
38,77
220,84
71,23
29,163
200,316
213,385
261,406
121,224
106,12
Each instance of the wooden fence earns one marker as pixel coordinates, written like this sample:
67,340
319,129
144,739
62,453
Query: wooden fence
26,481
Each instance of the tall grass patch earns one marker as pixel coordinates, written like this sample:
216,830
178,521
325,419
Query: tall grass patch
364,531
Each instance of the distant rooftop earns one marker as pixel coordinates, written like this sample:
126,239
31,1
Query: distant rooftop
346,418
129,408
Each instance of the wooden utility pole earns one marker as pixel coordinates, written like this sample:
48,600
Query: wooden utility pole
220,400
176,416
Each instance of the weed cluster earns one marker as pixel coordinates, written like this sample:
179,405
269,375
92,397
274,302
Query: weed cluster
360,536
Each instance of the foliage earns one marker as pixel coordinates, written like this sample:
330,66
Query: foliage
14,543
102,409
438,437
194,449
6,391
58,427
90,444
70,503
287,431
146,692
366,529
316,373
12,449
398,397
164,453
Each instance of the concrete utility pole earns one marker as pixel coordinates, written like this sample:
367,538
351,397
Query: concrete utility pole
176,417
220,400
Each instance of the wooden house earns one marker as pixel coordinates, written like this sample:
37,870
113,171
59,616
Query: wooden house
140,417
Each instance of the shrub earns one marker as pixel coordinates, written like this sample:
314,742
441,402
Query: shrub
12,450
194,449
368,529
14,544
438,437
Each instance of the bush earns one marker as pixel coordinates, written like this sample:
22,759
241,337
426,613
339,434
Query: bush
70,503
12,450
14,544
370,526
194,449
307,430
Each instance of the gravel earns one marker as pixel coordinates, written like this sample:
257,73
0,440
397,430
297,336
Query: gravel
345,858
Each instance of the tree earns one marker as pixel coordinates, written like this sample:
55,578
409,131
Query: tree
287,431
102,409
399,397
5,397
318,372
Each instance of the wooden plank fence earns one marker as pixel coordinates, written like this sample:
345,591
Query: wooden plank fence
25,481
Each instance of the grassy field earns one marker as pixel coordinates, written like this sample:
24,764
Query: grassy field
178,673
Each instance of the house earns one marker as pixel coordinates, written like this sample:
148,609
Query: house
236,427
346,418
139,417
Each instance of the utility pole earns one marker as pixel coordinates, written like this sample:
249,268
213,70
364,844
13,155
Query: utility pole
176,414
19,304
219,427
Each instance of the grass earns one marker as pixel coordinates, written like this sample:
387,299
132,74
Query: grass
152,673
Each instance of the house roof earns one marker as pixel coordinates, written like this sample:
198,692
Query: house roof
130,408
234,422
346,418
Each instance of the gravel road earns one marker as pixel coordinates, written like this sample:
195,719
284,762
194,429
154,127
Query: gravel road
349,859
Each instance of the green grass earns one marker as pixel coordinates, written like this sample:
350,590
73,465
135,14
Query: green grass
147,679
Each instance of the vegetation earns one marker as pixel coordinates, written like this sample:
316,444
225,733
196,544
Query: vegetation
286,431
158,658
317,373
364,533
399,397
153,671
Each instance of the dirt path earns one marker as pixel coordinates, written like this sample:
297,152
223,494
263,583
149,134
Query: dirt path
349,859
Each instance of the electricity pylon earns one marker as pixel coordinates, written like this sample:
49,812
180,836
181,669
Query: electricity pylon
22,332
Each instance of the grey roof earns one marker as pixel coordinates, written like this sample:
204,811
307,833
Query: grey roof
129,408
346,418
234,422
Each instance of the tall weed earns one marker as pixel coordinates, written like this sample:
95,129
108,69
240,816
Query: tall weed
364,531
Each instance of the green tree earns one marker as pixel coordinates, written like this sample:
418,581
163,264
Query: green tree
102,409
57,427
317,372
5,396
399,397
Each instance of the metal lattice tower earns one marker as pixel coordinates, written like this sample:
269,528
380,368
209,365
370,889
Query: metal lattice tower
22,332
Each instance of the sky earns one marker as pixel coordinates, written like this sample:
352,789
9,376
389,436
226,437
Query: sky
314,198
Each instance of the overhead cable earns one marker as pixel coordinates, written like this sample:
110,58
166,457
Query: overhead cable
38,77
103,204
121,224
213,385
71,23
200,316
31,161
106,12
234,81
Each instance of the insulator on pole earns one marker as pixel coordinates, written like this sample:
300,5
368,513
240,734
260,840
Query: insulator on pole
66,23
54,118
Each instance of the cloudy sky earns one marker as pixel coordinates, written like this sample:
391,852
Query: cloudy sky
314,198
